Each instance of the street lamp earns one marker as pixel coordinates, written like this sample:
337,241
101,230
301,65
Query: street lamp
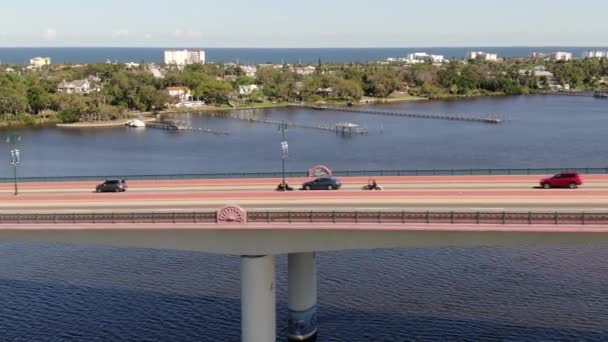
284,154
15,156
15,160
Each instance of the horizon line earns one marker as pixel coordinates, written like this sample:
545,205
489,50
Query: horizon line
294,48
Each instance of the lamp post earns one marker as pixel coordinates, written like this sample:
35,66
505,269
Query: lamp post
15,160
284,153
12,139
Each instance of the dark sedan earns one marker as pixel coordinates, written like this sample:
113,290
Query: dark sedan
323,183
112,185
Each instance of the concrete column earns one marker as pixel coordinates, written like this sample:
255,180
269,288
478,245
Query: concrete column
302,302
258,300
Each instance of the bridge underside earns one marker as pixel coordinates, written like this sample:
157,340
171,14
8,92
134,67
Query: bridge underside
267,239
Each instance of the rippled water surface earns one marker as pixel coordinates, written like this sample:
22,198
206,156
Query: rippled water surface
83,293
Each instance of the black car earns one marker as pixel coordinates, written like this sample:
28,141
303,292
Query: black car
112,185
323,183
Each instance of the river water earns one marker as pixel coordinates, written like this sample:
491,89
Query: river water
543,293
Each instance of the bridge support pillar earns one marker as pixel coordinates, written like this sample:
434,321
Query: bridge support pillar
258,300
302,296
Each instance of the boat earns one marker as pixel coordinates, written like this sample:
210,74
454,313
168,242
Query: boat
135,123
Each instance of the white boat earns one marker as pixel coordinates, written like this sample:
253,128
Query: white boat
136,123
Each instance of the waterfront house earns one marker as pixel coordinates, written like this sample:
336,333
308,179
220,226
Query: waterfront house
75,87
181,94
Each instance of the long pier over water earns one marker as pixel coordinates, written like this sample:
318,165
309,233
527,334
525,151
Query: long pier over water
483,119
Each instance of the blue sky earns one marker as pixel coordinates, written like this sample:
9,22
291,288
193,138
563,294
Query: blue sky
312,23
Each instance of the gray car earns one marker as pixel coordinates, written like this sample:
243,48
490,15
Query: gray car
323,183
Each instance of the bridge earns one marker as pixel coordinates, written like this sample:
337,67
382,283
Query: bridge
259,223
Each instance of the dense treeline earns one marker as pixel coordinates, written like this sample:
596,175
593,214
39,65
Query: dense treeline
26,93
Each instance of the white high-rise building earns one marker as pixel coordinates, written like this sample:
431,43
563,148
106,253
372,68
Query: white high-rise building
482,56
561,56
595,54
184,57
422,57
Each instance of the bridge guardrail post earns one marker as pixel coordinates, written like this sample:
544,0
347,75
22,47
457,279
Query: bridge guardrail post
451,217
583,218
379,216
402,217
173,217
357,216
333,216
113,220
268,216
504,218
556,218
289,216
310,214
427,218
529,217
477,218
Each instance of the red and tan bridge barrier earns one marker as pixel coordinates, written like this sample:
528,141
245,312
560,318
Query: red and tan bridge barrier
338,217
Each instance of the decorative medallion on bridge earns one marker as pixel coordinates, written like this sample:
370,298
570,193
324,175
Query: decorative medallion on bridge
320,171
231,214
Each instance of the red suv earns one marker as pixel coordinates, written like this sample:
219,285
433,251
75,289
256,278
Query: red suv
562,180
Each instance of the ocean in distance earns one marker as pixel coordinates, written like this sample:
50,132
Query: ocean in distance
59,55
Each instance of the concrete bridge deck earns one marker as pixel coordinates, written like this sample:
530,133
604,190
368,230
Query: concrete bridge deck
180,214
442,193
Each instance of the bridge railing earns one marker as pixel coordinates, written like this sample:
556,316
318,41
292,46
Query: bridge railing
353,173
354,217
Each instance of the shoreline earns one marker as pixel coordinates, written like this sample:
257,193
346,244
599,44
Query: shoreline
153,116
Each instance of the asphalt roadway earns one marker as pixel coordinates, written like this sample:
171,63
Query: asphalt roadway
414,193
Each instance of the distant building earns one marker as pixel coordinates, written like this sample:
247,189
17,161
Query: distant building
131,65
481,56
595,54
184,57
561,56
307,70
40,61
423,57
554,56
182,94
75,87
248,89
249,70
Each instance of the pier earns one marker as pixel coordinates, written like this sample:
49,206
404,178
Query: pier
595,94
482,119
346,128
182,126
343,127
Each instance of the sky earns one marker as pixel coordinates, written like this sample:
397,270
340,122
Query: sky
311,23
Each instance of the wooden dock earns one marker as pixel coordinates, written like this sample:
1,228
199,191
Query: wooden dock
344,128
595,94
176,126
482,119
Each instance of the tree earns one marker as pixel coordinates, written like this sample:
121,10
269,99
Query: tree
214,92
38,99
12,102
